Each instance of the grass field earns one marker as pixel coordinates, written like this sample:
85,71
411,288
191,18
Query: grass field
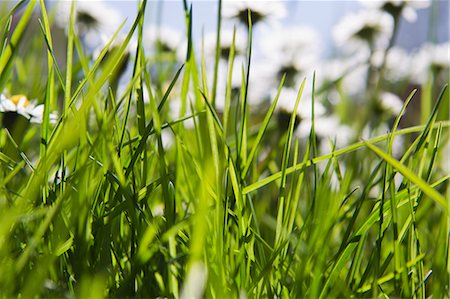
166,180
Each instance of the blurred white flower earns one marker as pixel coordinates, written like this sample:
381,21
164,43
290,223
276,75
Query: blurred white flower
226,40
445,153
166,40
93,20
350,72
431,57
260,82
261,11
405,8
175,107
291,43
115,44
371,28
398,64
382,129
19,104
222,79
167,138
391,103
333,70
294,51
329,130
286,103
124,65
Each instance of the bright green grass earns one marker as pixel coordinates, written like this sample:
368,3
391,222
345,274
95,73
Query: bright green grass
96,206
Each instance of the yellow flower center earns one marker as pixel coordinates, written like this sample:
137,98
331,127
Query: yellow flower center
16,99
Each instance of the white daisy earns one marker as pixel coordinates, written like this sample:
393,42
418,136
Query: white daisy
371,28
382,129
129,51
349,72
19,104
405,8
286,103
261,11
288,44
164,39
397,66
226,40
336,69
431,57
390,103
260,81
93,19
328,129
294,51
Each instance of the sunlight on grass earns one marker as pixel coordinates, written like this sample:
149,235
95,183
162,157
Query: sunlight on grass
145,163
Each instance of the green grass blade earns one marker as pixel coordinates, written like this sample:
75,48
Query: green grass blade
7,54
262,130
355,146
285,162
429,191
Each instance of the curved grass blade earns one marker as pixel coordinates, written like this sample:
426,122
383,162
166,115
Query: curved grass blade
339,152
432,193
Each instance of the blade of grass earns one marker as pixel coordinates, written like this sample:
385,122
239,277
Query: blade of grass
217,54
8,53
284,165
69,58
429,191
262,130
242,149
339,152
149,128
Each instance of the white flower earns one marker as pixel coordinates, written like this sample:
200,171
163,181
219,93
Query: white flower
286,103
391,103
397,66
338,68
434,57
115,45
93,19
327,127
350,72
290,44
382,129
371,28
260,81
19,104
329,130
261,11
405,8
166,40
175,107
226,40
167,138
444,154
293,51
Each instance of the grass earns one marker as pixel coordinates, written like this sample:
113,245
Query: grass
97,205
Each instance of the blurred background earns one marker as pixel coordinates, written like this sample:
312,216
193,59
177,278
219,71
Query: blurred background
368,55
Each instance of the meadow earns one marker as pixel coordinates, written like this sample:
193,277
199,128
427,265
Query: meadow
146,163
